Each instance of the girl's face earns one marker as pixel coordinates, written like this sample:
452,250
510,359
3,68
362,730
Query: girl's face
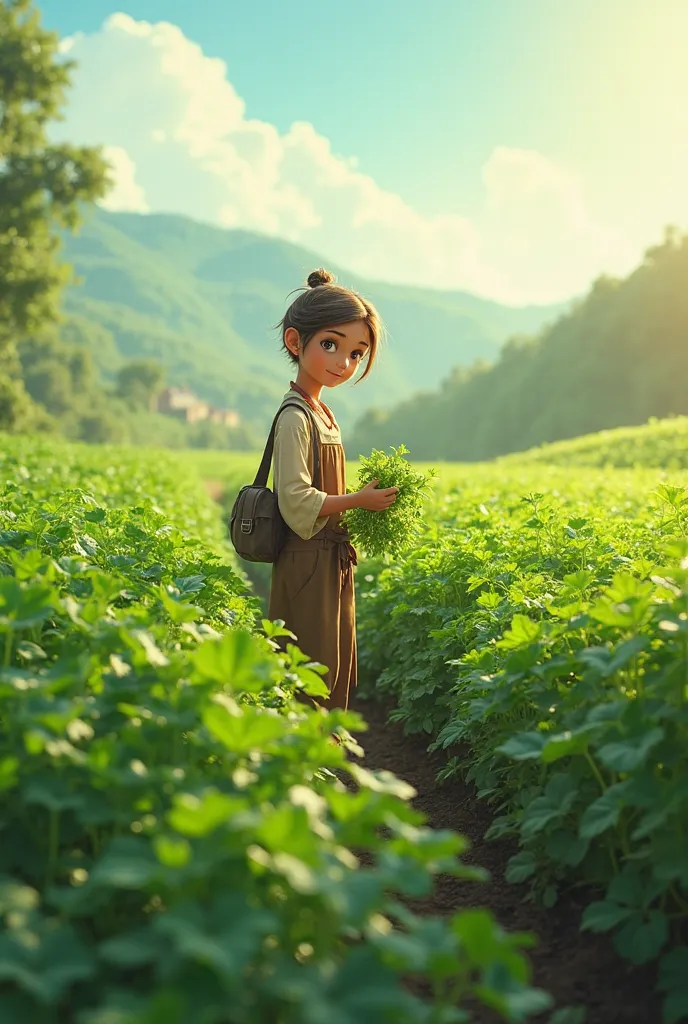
333,355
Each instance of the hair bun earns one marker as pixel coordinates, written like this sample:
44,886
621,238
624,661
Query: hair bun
319,277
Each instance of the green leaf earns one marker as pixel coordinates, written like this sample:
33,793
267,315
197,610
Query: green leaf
134,949
47,967
480,935
154,655
29,651
190,584
627,755
627,651
172,852
199,815
250,729
603,813
642,940
236,660
627,887
8,772
538,814
566,744
567,848
569,1015
312,684
24,606
523,631
178,611
53,793
604,915
673,980
524,747
520,867
127,864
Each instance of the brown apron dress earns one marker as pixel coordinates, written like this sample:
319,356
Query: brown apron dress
313,586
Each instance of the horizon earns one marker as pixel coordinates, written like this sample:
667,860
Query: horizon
502,152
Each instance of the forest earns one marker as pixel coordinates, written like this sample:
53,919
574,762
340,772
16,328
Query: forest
618,357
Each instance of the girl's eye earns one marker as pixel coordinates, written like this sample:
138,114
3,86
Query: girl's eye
357,355
326,342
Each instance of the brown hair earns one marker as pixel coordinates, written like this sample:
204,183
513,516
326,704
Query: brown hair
325,304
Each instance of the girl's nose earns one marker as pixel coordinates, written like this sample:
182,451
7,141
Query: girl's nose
343,364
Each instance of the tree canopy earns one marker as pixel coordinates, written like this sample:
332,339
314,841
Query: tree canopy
41,185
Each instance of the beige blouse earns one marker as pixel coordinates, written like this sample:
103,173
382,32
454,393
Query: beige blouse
299,501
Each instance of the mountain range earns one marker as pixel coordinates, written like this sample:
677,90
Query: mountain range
204,301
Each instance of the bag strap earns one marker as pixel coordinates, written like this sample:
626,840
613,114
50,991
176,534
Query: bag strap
263,473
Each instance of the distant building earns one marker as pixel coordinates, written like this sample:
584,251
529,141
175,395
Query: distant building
185,405
227,417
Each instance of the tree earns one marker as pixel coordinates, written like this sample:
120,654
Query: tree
139,381
50,384
101,426
41,186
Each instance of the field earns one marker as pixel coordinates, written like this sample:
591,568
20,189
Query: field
538,635
184,843
182,839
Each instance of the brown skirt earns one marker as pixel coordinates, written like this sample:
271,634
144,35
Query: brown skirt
313,591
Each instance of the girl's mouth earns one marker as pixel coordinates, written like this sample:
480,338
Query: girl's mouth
334,374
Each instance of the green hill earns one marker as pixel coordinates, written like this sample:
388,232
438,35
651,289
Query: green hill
203,301
618,357
661,444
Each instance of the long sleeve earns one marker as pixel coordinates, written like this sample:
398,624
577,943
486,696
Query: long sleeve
299,501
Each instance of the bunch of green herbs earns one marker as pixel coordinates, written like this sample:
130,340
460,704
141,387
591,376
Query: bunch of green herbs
390,532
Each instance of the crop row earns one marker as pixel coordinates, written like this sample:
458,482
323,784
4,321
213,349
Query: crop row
541,640
178,829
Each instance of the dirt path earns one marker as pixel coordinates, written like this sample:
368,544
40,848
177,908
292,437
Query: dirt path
578,969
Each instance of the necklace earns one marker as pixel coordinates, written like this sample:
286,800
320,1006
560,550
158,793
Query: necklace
318,407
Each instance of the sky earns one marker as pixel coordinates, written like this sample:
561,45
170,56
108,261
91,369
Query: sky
512,148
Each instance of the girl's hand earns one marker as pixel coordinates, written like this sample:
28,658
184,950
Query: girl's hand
376,500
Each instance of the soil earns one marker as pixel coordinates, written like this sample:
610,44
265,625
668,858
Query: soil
577,968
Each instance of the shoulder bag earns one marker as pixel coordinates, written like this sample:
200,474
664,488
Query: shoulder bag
257,528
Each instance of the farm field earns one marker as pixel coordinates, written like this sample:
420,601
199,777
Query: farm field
661,445
177,835
535,639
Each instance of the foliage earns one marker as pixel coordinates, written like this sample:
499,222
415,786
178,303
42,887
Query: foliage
139,382
42,186
17,411
393,531
177,838
44,190
61,379
617,357
541,639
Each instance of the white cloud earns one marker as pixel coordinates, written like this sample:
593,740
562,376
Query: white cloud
125,193
180,141
538,221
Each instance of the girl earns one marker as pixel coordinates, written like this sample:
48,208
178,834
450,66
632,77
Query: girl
328,331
